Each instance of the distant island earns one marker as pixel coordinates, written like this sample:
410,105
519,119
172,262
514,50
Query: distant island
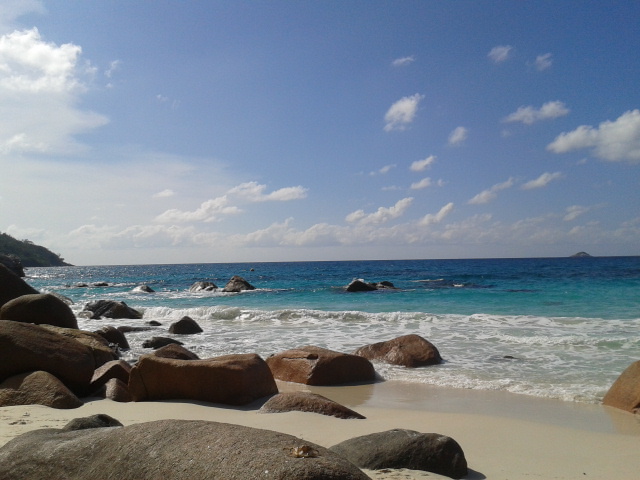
580,254
16,254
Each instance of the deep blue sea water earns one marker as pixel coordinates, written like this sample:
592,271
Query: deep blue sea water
552,327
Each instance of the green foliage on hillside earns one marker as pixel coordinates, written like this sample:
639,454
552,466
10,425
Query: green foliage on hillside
30,255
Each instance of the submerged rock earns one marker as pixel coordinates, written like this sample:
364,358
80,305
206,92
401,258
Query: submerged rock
237,284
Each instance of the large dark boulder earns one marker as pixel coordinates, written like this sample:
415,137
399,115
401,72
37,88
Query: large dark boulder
39,308
307,402
171,450
229,379
185,326
318,366
399,448
237,284
13,263
407,350
25,347
624,393
12,286
111,309
37,388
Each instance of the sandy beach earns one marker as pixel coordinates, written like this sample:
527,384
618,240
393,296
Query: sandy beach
503,435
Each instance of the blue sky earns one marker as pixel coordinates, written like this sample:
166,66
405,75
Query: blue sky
170,132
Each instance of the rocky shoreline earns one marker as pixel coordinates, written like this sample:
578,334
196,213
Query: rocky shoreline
48,361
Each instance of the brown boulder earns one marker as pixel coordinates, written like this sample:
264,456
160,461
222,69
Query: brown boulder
99,347
318,366
114,369
307,402
25,347
12,286
229,379
170,449
173,350
116,390
39,308
625,391
408,351
37,388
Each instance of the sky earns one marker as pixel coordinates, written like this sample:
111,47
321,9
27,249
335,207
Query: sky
139,132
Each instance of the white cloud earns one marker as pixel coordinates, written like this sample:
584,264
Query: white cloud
404,61
253,192
384,170
40,85
402,112
574,211
164,193
458,135
208,211
543,61
382,215
424,183
421,165
542,181
500,53
617,140
431,218
529,115
491,193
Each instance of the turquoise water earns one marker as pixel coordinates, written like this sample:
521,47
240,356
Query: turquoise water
571,324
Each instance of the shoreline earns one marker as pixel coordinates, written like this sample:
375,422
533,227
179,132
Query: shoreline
503,435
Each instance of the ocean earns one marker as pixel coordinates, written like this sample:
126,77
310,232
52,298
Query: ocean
561,328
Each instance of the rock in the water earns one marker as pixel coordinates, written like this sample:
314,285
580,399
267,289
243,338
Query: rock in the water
172,450
25,347
359,285
399,448
157,342
143,289
114,336
39,308
100,420
37,388
185,326
173,350
407,350
229,379
307,402
12,286
111,309
237,284
318,366
625,391
202,287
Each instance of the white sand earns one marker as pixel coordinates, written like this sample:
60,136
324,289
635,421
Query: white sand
504,436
